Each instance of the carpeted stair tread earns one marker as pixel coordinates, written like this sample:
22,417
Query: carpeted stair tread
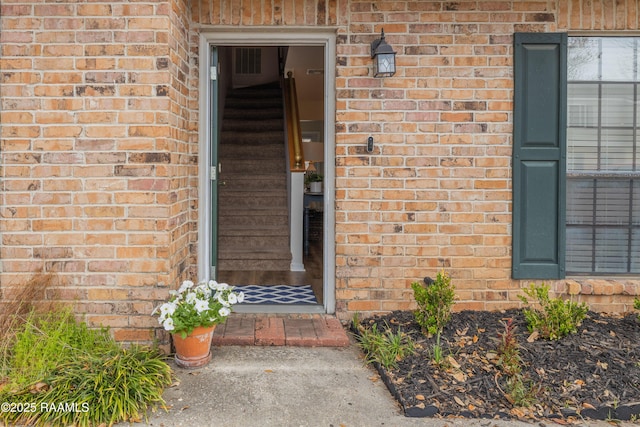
256,92
253,214
250,230
255,125
254,265
251,139
250,167
255,244
251,114
239,212
255,103
267,259
259,184
264,152
257,202
262,253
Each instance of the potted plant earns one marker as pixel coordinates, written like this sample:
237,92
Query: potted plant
191,315
314,180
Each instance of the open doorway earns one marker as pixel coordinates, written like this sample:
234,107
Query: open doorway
249,190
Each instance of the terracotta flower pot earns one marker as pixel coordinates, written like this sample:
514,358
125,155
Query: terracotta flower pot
194,351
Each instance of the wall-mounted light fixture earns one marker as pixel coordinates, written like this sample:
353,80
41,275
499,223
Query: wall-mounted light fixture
384,58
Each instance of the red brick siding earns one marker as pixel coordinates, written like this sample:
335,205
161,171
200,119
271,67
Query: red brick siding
436,192
98,153
99,145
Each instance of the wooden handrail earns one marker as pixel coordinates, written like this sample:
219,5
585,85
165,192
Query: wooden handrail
296,156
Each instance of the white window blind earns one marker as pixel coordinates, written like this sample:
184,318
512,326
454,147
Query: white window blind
603,156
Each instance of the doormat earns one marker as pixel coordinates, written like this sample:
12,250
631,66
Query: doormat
277,294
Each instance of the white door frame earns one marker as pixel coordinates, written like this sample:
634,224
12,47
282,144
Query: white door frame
265,37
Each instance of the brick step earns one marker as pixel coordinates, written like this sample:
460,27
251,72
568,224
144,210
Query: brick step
318,330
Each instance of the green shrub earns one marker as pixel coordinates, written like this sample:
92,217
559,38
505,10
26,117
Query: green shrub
55,360
386,348
556,318
434,303
636,305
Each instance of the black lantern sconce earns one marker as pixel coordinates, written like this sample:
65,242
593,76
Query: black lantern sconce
384,58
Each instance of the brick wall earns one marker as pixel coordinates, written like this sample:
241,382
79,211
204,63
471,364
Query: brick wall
99,146
98,160
436,191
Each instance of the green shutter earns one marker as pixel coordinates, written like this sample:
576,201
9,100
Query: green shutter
539,159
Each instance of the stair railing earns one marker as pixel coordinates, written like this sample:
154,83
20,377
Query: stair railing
296,156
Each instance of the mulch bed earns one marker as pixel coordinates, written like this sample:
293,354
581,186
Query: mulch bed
594,373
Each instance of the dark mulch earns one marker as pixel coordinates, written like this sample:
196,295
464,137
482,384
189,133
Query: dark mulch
594,373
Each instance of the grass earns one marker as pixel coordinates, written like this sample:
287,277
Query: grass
45,341
69,374
14,306
384,347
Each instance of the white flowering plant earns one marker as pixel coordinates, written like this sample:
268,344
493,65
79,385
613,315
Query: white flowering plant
193,305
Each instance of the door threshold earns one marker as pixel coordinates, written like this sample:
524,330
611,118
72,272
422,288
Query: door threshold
279,308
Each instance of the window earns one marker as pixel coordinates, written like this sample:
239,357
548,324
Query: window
603,156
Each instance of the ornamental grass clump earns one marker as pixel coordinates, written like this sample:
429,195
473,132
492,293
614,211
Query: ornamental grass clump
556,318
384,347
49,339
191,306
60,372
15,305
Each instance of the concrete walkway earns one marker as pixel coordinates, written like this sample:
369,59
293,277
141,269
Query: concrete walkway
289,370
248,386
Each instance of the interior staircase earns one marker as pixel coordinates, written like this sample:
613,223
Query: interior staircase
253,214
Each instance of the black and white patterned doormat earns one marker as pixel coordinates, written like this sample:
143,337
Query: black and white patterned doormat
277,294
